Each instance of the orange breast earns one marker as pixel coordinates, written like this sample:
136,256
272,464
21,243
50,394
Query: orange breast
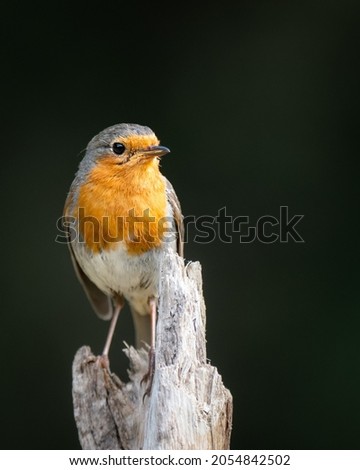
119,203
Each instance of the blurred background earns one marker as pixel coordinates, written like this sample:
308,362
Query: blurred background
259,105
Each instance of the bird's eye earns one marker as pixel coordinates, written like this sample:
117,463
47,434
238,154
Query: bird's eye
118,148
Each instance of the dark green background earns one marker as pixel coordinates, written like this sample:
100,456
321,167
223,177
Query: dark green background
259,104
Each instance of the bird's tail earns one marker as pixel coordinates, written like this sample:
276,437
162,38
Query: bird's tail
142,324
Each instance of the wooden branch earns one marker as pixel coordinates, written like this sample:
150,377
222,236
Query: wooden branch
188,408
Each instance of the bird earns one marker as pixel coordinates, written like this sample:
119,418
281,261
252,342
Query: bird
122,215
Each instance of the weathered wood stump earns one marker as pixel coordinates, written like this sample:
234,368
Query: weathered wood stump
188,408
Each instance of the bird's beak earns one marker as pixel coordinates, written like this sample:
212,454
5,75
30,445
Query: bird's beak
154,151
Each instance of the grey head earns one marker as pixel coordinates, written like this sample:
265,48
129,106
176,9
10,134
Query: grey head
102,144
105,138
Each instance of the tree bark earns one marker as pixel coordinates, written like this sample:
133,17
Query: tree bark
188,407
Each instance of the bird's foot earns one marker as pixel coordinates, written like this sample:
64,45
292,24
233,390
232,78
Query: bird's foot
100,361
103,361
149,376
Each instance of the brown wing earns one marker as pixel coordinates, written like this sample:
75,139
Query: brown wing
178,217
101,303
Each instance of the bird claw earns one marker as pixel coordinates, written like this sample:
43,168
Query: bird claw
103,361
149,376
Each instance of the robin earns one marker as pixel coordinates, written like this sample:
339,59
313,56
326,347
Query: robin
124,215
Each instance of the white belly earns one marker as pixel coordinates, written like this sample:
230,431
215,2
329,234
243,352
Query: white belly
134,277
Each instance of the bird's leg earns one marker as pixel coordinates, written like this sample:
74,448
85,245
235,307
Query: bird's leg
150,373
104,358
